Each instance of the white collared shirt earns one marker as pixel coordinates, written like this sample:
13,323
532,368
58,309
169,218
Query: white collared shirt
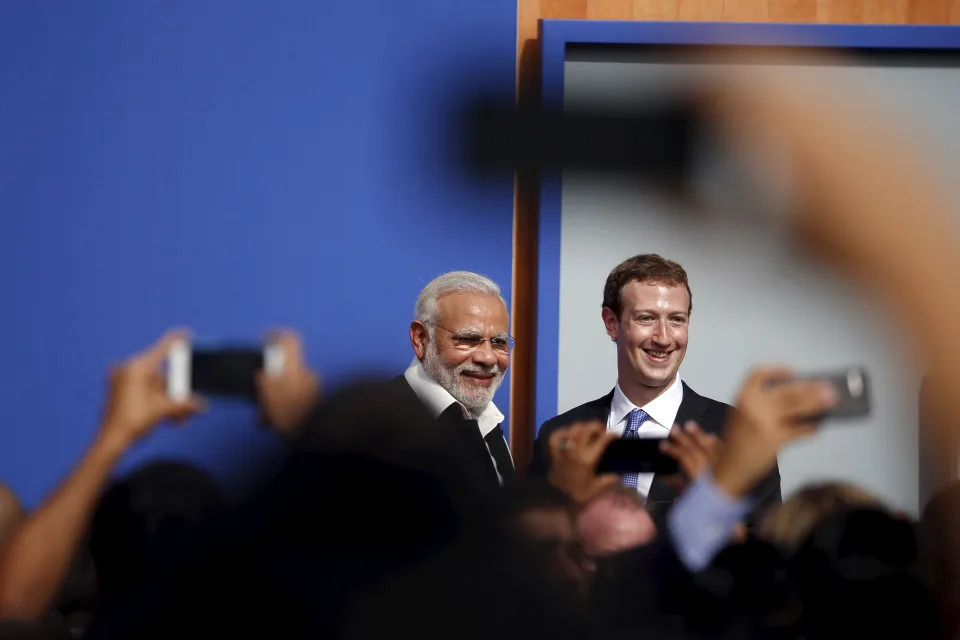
437,399
661,414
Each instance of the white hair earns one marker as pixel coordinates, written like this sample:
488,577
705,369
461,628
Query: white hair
427,310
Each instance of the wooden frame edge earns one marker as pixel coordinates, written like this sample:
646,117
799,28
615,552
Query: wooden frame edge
526,204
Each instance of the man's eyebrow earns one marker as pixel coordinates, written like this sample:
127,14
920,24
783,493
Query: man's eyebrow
478,332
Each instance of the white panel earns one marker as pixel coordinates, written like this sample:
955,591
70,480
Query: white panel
755,300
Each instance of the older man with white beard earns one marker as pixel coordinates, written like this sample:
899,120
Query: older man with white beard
462,351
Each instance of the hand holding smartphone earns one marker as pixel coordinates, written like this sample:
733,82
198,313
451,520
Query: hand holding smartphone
641,455
219,370
852,386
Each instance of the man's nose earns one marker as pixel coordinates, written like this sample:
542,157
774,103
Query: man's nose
484,354
661,335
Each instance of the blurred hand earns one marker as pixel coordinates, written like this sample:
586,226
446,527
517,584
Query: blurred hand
693,449
740,533
574,454
12,513
288,396
862,181
137,398
870,200
772,410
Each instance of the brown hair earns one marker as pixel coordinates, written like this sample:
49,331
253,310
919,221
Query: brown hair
789,524
647,268
619,492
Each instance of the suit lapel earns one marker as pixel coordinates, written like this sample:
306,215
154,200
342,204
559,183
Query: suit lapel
500,452
692,407
467,434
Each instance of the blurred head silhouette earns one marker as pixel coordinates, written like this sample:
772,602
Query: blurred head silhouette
157,508
614,521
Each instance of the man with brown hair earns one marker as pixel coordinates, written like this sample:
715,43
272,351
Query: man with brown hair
646,311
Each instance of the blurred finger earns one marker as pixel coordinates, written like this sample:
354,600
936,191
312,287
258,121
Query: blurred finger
694,440
576,436
709,440
583,433
260,382
597,433
154,356
181,411
705,442
692,459
679,437
689,456
604,482
710,444
692,427
766,376
589,425
677,482
804,398
290,342
586,435
600,444
157,382
671,449
559,441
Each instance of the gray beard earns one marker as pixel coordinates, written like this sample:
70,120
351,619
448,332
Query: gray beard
472,397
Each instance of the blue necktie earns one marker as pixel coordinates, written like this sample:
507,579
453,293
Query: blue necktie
632,432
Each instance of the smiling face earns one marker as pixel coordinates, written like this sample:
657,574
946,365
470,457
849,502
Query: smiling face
466,353
651,334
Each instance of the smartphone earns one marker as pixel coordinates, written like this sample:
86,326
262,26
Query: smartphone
655,141
853,392
641,455
669,143
219,370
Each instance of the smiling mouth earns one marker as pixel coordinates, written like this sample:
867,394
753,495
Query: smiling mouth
657,356
482,378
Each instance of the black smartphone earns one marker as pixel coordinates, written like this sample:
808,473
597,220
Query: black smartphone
641,455
669,143
219,370
656,141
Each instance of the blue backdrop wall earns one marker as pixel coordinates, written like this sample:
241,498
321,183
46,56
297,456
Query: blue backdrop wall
228,166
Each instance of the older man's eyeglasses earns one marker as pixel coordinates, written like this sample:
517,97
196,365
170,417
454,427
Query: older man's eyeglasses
470,340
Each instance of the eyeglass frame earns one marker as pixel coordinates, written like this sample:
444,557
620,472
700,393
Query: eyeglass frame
511,341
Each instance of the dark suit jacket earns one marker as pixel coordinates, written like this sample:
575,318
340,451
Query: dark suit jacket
387,420
709,414
466,439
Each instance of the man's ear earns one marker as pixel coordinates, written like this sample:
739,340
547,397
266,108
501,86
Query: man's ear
419,338
610,322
